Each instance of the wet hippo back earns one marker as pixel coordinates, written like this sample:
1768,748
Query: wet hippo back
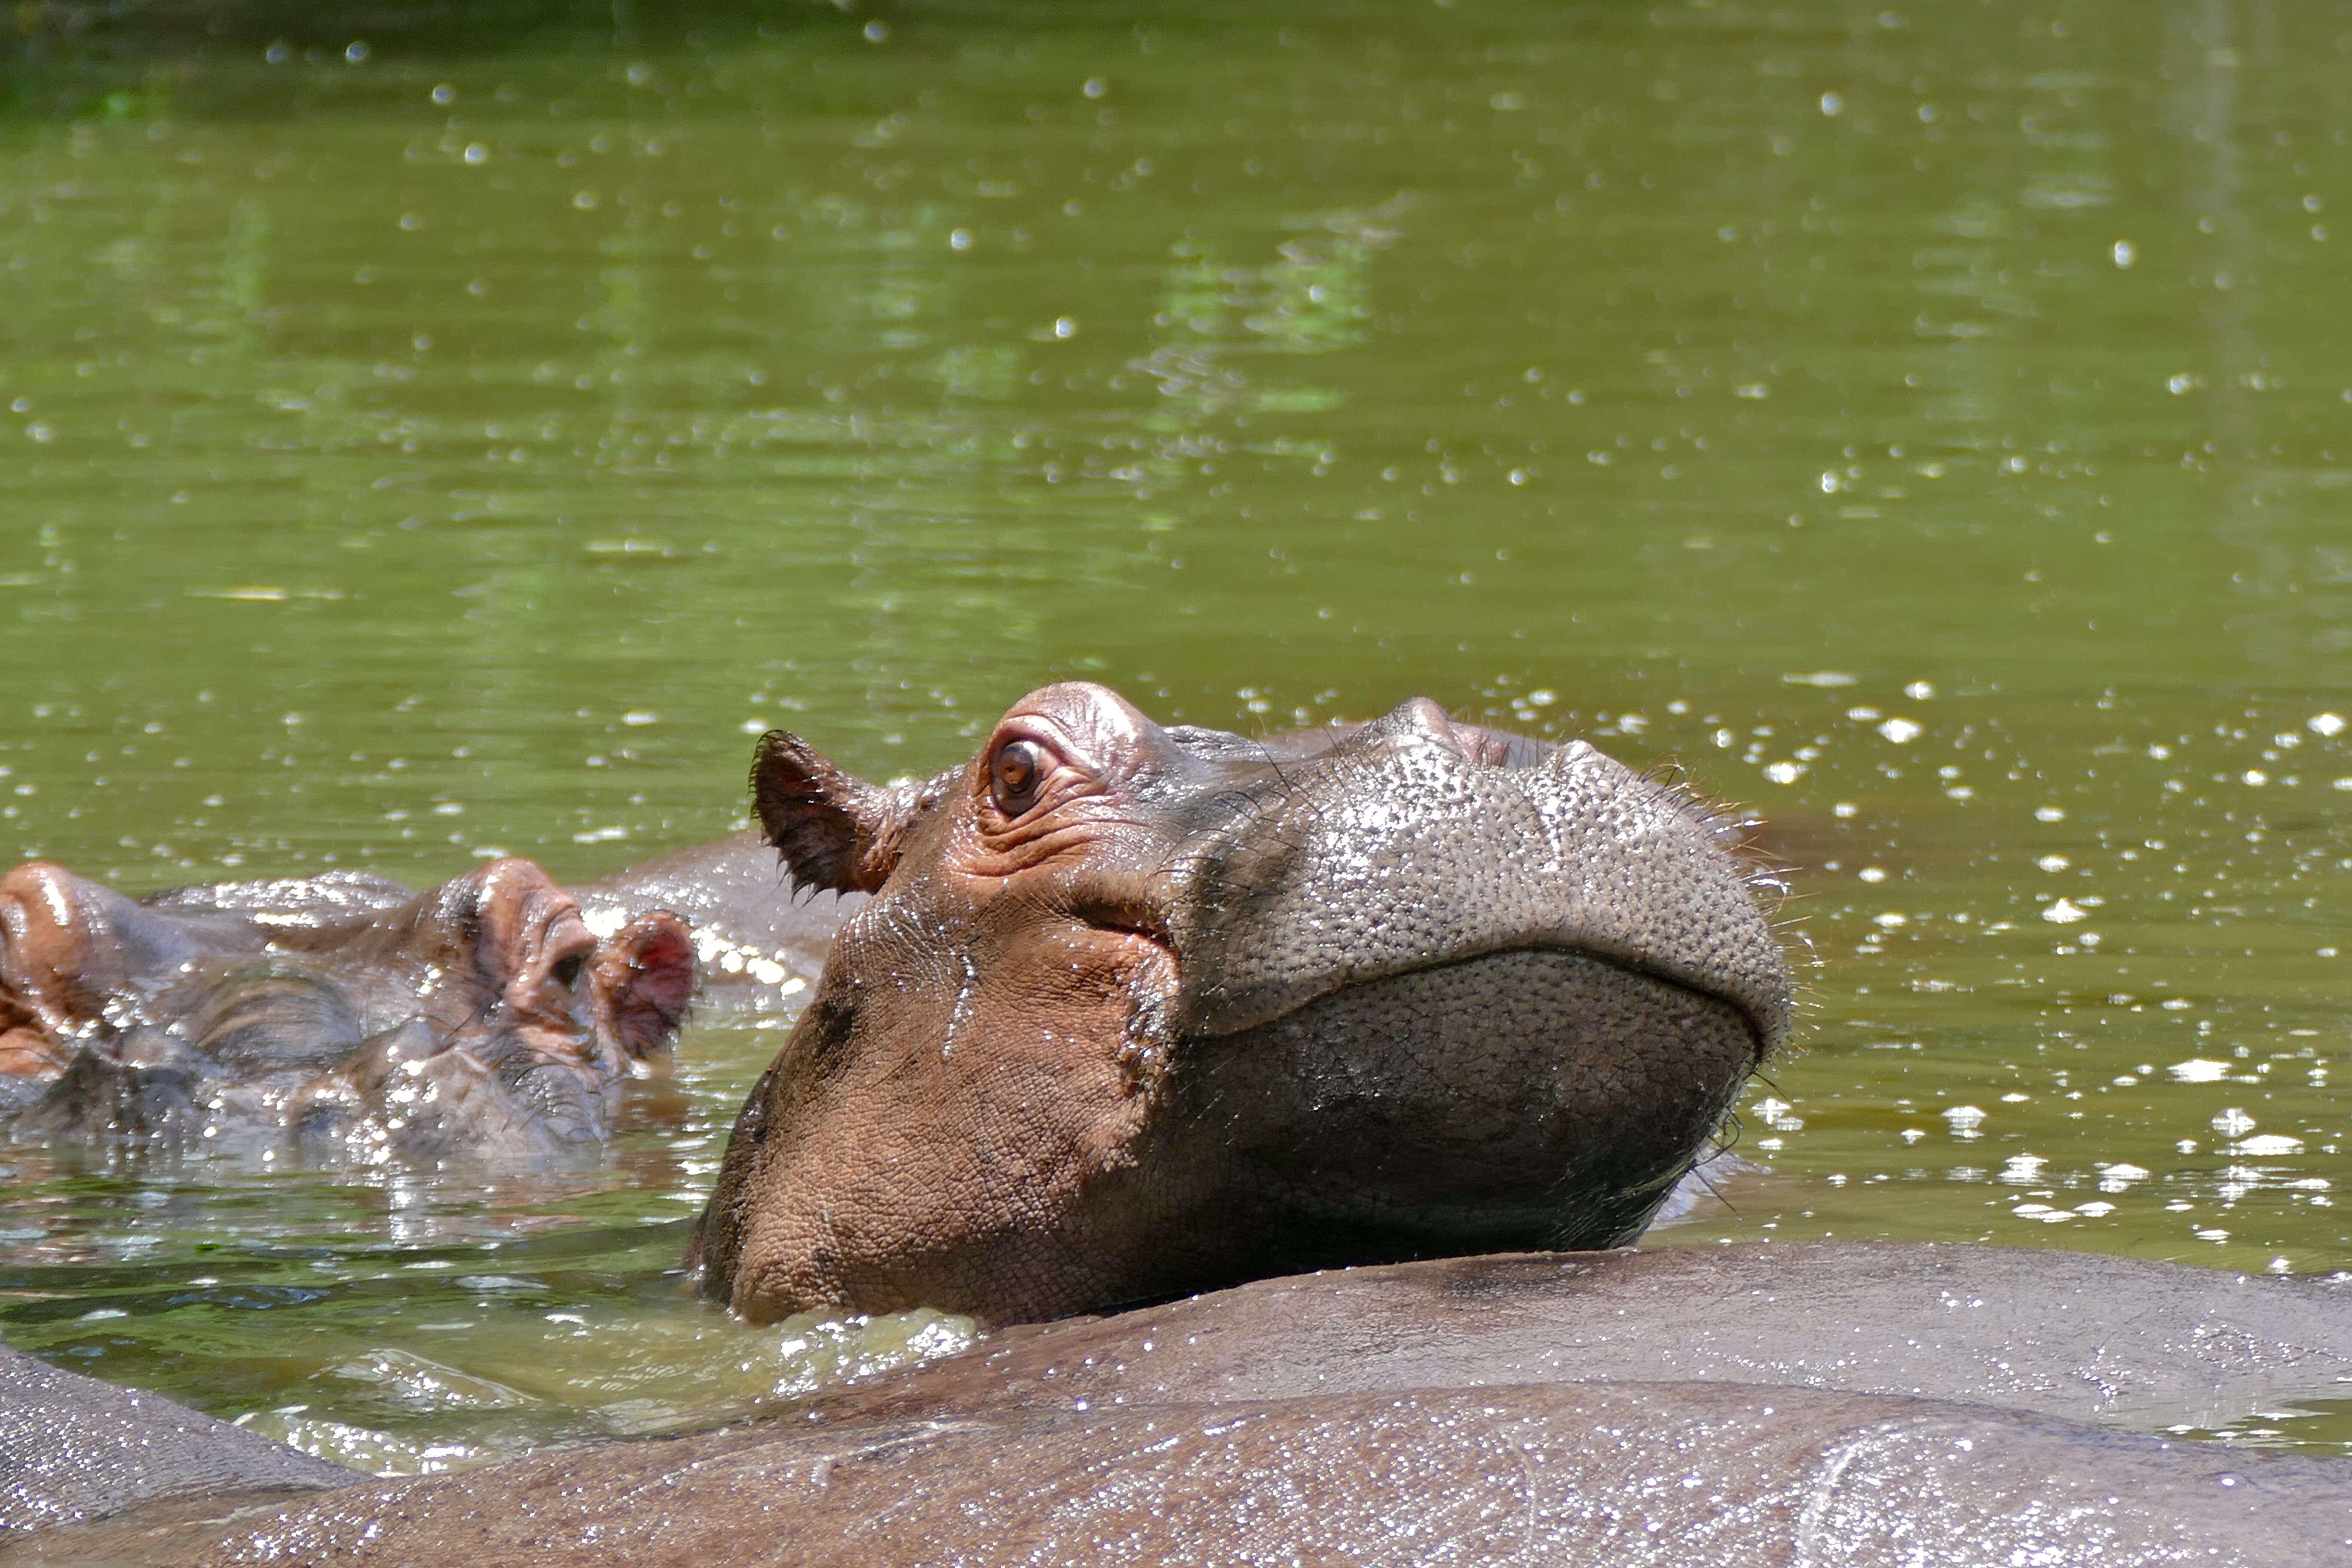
2079,1335
1449,1411
73,1448
1663,1475
330,898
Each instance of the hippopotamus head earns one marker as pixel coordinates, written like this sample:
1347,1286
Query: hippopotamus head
1138,1010
482,1017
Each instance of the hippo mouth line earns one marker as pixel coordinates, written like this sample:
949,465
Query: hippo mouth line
1616,962
1122,918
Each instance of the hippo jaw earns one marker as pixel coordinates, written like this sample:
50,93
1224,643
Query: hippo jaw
1136,1011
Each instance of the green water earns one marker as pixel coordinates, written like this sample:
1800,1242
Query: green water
1932,425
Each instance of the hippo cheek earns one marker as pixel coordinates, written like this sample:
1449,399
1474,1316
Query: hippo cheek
976,1169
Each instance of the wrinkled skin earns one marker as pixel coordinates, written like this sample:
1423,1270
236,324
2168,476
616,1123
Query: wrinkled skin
334,1017
1136,1010
1828,1402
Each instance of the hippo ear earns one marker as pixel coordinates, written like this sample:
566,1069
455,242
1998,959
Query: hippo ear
66,945
644,976
833,829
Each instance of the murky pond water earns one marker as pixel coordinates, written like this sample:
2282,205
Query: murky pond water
1933,425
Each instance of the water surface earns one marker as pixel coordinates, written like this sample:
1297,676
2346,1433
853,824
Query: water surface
1931,426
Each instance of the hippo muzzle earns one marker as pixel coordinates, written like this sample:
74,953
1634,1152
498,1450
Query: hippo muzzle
1136,1011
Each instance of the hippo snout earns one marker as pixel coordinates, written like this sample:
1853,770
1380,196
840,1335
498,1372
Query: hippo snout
1413,843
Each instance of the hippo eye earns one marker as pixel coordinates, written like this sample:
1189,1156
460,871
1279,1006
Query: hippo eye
1014,775
567,969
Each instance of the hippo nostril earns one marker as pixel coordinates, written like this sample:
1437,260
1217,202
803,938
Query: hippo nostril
1422,717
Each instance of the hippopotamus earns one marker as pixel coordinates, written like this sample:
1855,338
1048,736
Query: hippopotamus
1131,1010
345,1016
341,1016
1698,1407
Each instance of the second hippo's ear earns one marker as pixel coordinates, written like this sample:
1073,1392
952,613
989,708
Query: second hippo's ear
643,977
833,829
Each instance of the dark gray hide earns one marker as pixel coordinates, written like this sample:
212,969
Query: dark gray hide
1442,1411
1673,1475
1411,839
2075,1334
73,1448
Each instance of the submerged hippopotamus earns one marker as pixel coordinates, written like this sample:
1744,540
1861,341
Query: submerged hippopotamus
345,1016
328,1016
1134,1010
1946,1406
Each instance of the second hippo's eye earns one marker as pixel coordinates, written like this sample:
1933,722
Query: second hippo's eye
1015,775
567,969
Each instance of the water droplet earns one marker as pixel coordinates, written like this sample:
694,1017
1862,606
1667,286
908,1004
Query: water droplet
2269,1146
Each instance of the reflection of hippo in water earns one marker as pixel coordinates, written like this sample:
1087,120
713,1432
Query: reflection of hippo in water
1134,1010
346,1017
